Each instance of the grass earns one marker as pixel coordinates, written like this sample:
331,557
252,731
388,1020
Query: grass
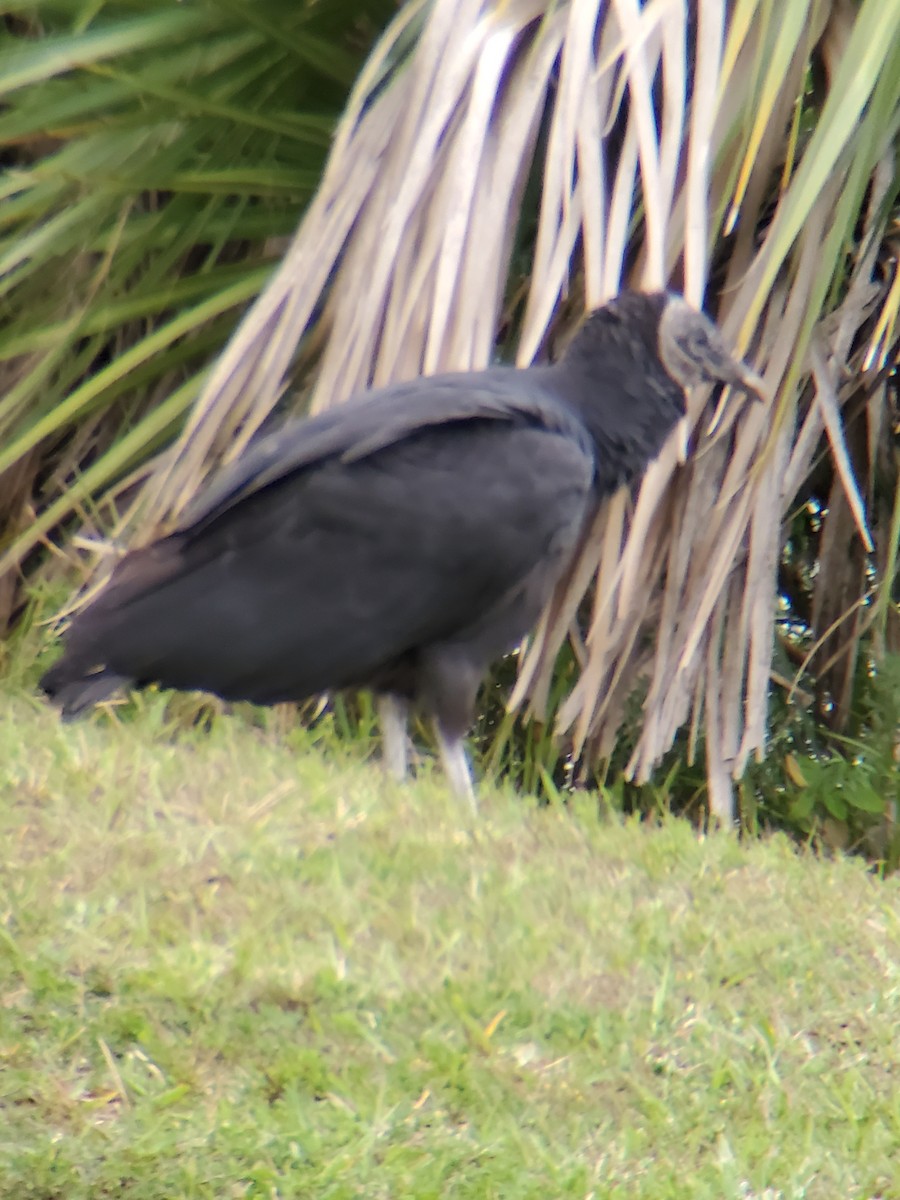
239,964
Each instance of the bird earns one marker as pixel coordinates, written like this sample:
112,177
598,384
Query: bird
402,541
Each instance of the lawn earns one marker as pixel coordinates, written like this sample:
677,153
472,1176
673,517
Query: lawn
239,963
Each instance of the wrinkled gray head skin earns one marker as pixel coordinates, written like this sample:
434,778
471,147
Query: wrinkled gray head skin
693,351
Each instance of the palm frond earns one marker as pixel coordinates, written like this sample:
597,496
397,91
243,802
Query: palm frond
744,153
155,153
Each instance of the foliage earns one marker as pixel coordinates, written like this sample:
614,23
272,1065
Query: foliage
843,789
504,166
156,154
231,966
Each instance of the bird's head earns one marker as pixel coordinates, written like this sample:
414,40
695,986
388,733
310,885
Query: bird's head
693,351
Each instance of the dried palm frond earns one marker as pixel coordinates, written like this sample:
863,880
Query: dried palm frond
672,143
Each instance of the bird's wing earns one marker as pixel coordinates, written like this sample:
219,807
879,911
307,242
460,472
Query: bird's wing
365,425
331,577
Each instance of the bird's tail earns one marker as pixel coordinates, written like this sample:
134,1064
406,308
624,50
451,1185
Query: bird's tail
76,686
103,631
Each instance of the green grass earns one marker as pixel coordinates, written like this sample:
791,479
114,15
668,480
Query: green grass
236,964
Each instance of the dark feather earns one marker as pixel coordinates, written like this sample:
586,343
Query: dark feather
401,541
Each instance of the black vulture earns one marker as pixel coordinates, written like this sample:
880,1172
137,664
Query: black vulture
402,541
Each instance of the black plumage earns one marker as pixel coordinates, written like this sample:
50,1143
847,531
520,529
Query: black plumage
402,541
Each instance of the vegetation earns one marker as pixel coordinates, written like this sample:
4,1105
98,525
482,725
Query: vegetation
236,962
158,156
496,168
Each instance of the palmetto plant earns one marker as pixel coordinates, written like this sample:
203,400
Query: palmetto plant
504,164
154,154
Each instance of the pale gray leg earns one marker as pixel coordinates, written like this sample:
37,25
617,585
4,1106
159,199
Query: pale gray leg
456,767
393,714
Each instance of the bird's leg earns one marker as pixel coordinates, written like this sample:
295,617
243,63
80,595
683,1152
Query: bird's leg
456,766
393,714
448,685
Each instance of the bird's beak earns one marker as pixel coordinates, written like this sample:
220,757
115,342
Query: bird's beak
736,373
746,378
727,367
